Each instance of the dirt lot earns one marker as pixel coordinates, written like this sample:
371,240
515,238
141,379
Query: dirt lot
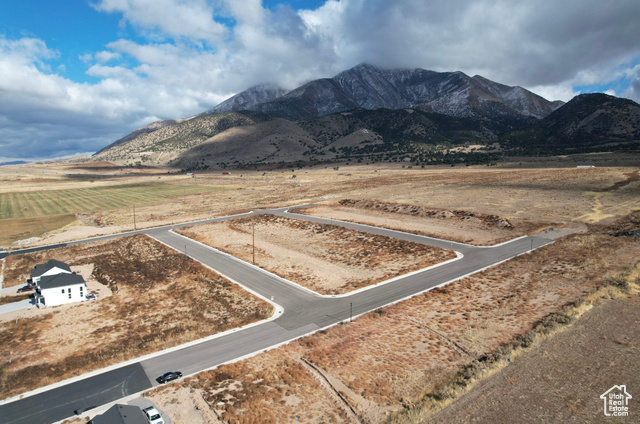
160,299
327,259
462,226
391,359
562,379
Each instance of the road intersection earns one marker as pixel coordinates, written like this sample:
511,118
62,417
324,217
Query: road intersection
299,312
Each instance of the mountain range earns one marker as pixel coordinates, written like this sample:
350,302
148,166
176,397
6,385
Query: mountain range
368,87
372,114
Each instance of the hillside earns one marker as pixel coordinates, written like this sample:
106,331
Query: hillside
165,143
587,121
373,135
372,115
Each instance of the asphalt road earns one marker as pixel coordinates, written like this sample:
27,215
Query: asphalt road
304,313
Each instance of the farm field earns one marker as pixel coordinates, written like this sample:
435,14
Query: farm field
55,202
326,259
149,298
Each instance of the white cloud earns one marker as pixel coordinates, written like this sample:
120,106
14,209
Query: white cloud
188,19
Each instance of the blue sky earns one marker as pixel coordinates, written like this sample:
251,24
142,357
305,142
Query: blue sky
76,75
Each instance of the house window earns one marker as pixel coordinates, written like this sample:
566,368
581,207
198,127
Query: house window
80,291
62,291
69,293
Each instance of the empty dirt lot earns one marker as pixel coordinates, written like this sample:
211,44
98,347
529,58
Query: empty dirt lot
324,258
562,378
395,359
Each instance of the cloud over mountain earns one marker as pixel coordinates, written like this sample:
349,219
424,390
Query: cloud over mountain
176,58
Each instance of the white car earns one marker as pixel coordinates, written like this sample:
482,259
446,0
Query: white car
153,415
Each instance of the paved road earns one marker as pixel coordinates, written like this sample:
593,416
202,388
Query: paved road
304,313
15,306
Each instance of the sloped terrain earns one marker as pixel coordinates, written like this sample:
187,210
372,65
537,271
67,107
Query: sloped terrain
162,145
585,121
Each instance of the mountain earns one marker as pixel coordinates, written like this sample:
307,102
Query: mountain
368,87
141,131
160,142
587,120
359,134
368,114
249,99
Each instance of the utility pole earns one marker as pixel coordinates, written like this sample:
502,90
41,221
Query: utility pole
350,311
134,217
253,227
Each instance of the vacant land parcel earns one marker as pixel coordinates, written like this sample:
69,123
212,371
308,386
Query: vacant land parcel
160,299
327,259
395,358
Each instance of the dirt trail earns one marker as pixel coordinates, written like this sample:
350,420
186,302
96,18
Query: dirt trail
631,177
337,397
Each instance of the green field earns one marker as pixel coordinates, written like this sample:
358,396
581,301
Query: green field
55,202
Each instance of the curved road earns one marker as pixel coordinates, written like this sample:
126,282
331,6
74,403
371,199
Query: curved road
304,313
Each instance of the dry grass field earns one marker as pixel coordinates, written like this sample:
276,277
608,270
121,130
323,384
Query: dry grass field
404,362
462,226
324,258
158,299
604,352
399,359
527,198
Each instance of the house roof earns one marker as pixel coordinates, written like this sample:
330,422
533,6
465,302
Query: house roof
40,269
121,414
60,280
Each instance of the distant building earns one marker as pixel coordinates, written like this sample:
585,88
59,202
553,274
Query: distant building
59,289
120,414
52,267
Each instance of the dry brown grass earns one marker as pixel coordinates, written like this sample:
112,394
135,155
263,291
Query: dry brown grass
419,343
548,196
270,388
161,299
394,358
325,258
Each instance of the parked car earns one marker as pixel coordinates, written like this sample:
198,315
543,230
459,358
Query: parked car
91,296
79,411
168,376
153,415
25,289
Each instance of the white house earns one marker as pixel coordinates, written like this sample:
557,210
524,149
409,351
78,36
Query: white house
60,289
52,267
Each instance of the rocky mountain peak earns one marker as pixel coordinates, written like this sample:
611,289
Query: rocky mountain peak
369,87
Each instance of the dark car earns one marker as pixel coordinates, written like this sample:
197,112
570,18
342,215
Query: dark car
168,376
82,410
25,289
